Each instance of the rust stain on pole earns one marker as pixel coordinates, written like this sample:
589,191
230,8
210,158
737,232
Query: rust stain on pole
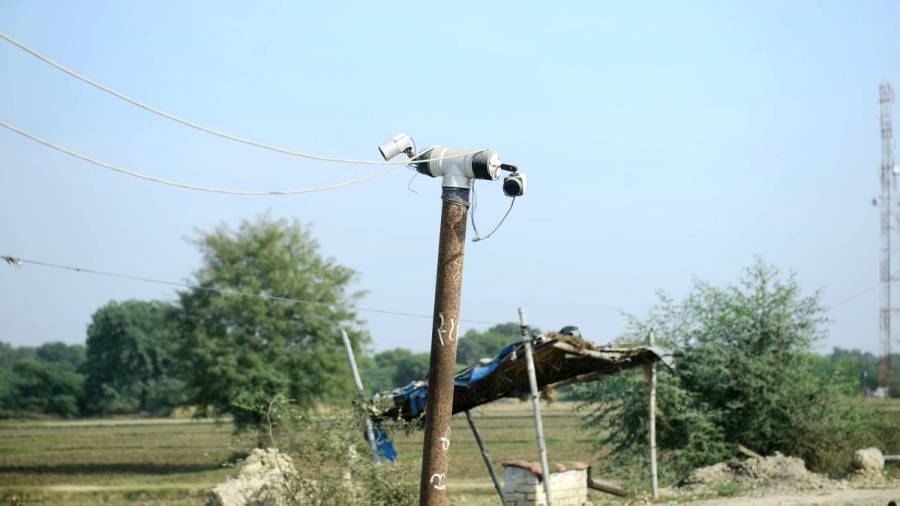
442,368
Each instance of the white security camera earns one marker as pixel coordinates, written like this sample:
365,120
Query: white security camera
515,184
400,143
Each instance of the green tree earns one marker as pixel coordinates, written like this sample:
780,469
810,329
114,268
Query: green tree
129,364
10,354
747,376
71,356
42,388
392,369
240,350
475,345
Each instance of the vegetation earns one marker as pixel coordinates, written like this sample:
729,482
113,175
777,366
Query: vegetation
475,345
239,349
177,460
392,369
40,381
130,366
396,368
747,376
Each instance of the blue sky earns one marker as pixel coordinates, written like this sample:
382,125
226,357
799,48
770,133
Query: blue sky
664,143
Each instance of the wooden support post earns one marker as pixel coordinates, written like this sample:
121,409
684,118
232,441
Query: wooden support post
484,455
535,403
370,433
654,484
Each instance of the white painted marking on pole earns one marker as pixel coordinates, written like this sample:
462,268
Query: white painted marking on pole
452,326
440,329
441,481
445,442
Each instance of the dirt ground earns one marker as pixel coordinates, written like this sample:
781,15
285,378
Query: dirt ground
852,497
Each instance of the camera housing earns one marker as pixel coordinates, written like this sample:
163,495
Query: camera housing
515,184
457,167
400,143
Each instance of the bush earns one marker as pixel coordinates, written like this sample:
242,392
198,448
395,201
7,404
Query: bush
333,459
746,377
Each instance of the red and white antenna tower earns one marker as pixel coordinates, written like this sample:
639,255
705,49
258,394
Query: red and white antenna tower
888,179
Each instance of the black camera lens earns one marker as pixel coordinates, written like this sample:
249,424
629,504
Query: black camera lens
512,186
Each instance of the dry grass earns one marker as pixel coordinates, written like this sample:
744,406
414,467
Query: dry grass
176,461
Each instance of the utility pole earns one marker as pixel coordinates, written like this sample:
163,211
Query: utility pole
457,170
445,330
654,483
888,177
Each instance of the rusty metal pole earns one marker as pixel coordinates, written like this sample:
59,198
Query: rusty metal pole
444,334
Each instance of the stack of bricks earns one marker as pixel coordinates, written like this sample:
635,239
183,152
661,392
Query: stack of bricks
523,486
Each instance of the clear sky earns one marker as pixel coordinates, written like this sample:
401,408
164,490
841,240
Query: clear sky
664,142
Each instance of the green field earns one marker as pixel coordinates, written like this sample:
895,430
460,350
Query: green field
176,461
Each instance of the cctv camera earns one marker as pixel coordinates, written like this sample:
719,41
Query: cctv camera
400,143
515,184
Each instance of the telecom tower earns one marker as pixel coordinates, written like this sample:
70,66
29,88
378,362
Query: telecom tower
888,178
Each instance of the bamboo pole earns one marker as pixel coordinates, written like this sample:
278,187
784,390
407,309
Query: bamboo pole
535,403
484,455
654,484
370,432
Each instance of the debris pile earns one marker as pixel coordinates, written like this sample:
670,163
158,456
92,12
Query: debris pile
773,472
262,480
869,467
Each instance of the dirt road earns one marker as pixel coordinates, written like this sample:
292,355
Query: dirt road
852,497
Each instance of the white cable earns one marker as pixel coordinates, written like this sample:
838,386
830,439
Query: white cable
191,186
207,130
19,261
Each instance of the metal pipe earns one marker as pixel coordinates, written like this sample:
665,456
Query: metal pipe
484,455
535,403
370,432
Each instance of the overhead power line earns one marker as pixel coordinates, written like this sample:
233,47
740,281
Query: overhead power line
188,186
210,131
19,261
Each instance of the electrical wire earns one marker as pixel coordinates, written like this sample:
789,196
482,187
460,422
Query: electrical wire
19,262
188,186
208,130
858,294
472,216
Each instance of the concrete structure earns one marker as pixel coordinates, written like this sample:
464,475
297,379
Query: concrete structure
523,487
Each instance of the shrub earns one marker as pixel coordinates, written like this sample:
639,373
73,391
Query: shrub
746,377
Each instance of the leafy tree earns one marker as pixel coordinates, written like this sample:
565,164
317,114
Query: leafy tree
475,345
746,377
240,350
393,368
129,365
10,354
41,387
71,356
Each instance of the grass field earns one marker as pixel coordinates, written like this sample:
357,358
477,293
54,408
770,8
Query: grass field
177,460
